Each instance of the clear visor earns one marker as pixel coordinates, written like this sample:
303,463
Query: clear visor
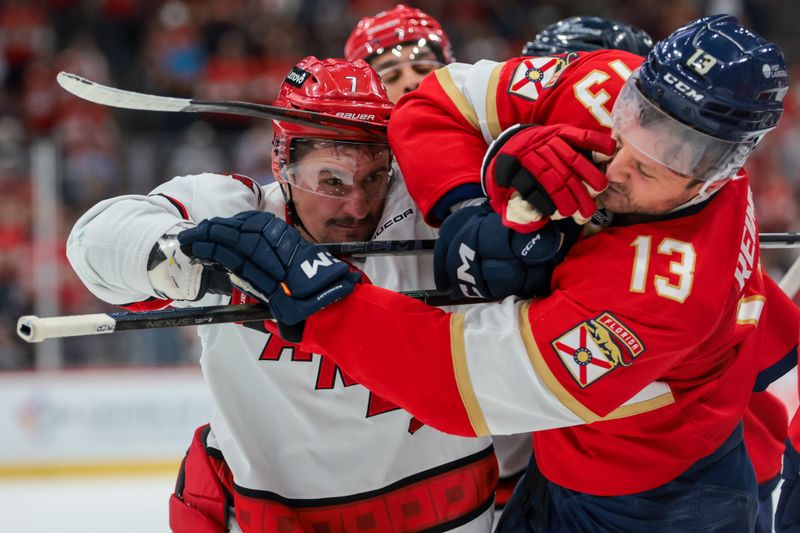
417,55
340,169
669,142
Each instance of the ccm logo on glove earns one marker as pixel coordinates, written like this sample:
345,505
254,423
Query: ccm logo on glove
323,259
478,257
467,256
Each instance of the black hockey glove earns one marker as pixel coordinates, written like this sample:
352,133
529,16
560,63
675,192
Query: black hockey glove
269,260
477,256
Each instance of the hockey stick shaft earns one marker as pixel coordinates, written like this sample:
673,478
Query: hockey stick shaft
35,329
422,246
365,248
113,97
779,240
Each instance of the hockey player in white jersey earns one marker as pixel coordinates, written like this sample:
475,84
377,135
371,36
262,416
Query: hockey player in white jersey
294,444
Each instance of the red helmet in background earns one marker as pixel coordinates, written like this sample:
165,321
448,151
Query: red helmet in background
335,87
373,35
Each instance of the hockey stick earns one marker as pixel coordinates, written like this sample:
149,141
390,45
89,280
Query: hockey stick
779,240
422,246
113,97
790,282
32,328
35,329
365,248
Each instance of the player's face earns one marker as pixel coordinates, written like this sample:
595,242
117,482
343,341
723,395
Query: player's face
402,68
640,185
351,185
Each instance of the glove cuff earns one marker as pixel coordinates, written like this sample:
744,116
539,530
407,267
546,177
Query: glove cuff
495,147
172,274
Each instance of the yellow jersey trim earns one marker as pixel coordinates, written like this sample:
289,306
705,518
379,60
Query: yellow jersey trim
463,381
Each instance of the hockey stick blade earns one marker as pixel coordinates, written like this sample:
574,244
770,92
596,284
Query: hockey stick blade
32,328
113,97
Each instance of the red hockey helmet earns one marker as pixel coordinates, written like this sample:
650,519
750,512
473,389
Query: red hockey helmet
403,24
334,87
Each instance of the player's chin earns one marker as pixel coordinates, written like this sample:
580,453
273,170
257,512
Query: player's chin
612,200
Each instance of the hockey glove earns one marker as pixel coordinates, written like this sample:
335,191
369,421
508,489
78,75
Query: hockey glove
477,256
174,276
269,260
533,172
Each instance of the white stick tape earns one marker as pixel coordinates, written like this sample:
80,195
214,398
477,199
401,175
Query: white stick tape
34,329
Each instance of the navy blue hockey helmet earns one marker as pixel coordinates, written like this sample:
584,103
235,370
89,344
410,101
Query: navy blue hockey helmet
714,88
585,34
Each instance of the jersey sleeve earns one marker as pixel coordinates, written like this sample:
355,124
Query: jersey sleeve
110,244
479,372
440,132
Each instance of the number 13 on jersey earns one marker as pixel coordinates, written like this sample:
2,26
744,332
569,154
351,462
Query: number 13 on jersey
678,286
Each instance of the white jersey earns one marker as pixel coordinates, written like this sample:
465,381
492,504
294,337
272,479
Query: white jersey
291,427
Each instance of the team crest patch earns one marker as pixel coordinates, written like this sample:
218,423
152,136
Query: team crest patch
534,75
597,346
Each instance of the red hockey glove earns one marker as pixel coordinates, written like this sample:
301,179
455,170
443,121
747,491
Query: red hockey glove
533,172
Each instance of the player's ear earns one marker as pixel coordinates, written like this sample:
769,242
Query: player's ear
276,169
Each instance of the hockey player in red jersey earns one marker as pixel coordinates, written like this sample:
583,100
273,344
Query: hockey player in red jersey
403,44
765,421
295,444
635,371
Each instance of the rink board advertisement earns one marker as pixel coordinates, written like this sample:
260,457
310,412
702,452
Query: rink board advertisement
99,418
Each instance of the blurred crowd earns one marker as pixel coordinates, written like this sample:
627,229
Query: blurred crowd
241,50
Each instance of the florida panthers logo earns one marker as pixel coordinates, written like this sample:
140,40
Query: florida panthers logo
597,346
534,75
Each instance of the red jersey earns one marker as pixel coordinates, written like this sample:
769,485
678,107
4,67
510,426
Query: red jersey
639,363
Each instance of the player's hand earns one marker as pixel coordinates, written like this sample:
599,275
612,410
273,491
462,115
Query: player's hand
174,276
533,172
269,260
477,256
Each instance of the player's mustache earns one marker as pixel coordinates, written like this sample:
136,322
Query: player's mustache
619,188
351,221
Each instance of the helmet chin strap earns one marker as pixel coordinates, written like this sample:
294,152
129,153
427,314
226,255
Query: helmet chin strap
292,210
703,194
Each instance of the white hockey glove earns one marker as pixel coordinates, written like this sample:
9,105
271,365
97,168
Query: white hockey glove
176,276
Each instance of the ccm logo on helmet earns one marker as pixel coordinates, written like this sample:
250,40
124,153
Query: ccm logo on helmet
682,87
